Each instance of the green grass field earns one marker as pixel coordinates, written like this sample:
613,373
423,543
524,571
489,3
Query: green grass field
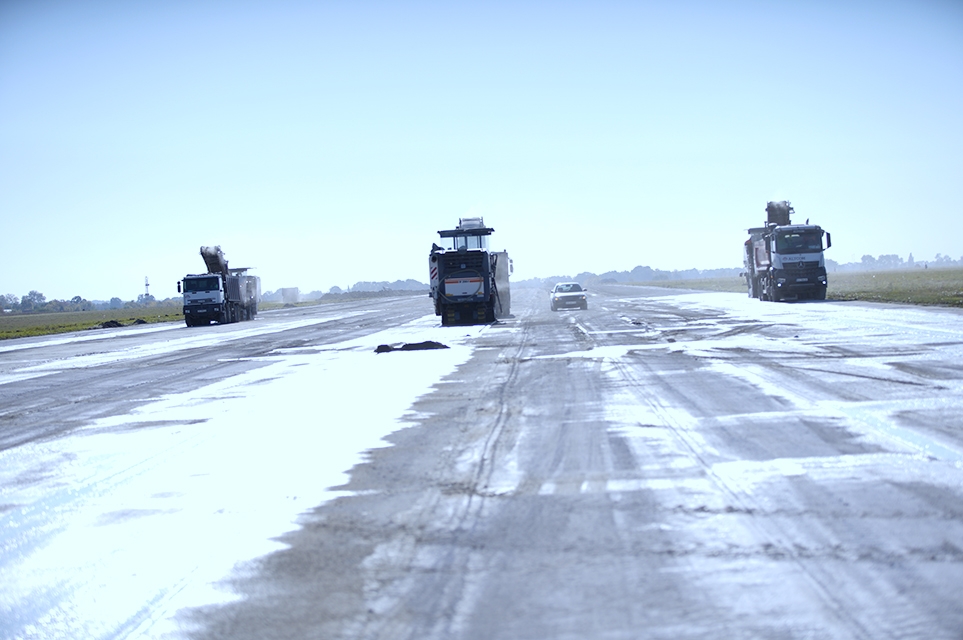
909,286
39,324
15,325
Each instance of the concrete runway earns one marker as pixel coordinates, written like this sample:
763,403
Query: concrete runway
663,465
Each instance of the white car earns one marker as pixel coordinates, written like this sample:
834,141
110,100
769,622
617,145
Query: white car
567,295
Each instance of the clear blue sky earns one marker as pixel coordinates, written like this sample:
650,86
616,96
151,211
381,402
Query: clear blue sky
326,142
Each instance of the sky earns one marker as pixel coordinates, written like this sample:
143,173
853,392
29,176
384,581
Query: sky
325,143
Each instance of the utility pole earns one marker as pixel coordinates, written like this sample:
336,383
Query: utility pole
146,288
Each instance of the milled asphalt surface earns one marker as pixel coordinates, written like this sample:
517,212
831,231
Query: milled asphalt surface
647,470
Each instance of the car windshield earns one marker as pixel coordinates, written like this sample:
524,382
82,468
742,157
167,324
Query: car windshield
799,242
566,288
200,284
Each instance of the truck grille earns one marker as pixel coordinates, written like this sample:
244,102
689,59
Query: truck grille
803,270
472,260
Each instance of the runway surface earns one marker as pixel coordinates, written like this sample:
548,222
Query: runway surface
663,465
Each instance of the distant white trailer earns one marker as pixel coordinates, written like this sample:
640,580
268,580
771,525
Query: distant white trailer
503,269
290,295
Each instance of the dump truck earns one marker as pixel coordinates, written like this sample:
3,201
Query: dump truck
221,295
784,261
468,282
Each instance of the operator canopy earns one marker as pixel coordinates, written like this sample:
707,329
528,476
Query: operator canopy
471,233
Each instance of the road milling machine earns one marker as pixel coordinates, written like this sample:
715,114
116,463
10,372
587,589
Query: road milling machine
469,282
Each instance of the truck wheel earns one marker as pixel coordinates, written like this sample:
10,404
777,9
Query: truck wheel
490,312
820,295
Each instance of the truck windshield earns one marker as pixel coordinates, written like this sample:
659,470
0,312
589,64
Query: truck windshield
469,242
201,284
799,242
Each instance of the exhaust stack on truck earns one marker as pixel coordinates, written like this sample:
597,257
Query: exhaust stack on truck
784,261
221,295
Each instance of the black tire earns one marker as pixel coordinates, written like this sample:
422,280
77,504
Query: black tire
584,307
770,291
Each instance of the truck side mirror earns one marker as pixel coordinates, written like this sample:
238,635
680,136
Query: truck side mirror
178,287
829,240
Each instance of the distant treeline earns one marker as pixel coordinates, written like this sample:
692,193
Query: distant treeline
382,286
36,302
648,274
892,261
638,274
